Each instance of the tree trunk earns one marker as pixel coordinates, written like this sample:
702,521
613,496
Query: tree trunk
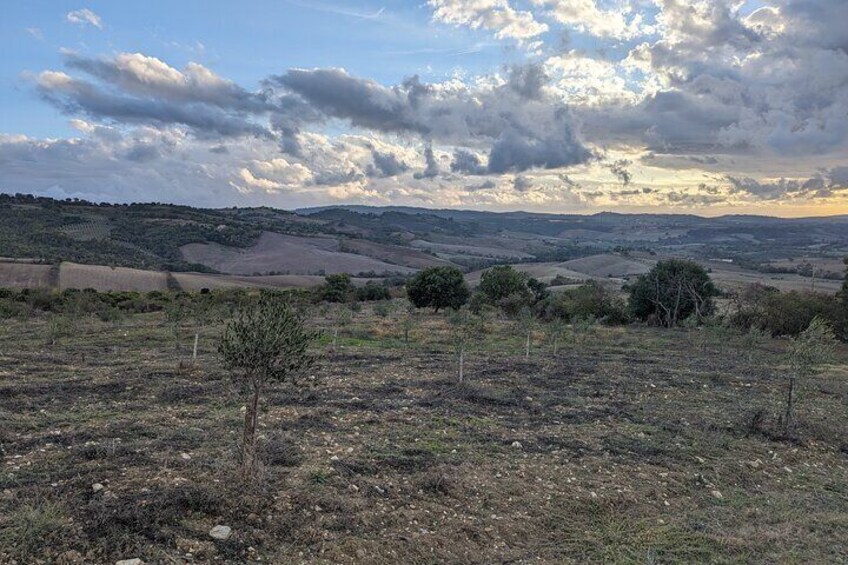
461,363
194,351
790,406
335,337
527,347
248,440
556,343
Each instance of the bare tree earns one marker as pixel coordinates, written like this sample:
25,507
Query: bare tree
808,352
465,327
265,343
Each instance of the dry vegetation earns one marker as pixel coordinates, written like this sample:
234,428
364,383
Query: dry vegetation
632,445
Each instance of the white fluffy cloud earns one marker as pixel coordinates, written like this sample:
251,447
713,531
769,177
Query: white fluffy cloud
494,15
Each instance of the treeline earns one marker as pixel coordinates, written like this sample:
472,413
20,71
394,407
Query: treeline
674,293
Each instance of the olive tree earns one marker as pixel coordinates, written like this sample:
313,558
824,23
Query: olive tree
265,343
526,324
807,353
556,330
465,327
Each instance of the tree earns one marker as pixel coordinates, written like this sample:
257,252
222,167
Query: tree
503,281
265,343
337,288
438,287
807,353
464,328
672,291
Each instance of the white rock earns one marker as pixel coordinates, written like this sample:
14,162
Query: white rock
134,561
220,532
96,487
517,445
185,456
717,494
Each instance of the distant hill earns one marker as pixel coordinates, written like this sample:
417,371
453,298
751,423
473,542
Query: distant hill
379,241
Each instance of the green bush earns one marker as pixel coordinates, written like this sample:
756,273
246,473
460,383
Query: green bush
589,300
787,313
438,287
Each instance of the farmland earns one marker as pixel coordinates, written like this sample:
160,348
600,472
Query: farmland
632,444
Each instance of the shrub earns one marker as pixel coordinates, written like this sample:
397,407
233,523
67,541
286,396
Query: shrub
372,292
337,288
786,313
811,349
438,287
591,299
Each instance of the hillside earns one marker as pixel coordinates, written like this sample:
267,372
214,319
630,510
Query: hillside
377,242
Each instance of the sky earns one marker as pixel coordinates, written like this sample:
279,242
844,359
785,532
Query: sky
574,106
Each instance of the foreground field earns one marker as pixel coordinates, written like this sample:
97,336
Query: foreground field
632,445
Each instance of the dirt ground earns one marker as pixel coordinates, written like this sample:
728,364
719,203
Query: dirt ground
632,445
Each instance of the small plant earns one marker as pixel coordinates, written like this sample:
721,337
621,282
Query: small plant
583,327
175,316
813,348
526,324
465,327
408,322
556,331
59,326
344,316
266,343
383,309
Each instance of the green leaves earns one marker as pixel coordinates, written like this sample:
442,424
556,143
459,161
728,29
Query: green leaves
266,341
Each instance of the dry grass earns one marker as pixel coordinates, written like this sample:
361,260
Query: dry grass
624,441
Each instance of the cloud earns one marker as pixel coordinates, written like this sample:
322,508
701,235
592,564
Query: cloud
494,15
432,168
386,165
465,161
619,169
523,126
586,17
84,17
136,89
35,32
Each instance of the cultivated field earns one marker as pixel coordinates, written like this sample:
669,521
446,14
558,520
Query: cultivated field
633,445
102,278
25,275
286,253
